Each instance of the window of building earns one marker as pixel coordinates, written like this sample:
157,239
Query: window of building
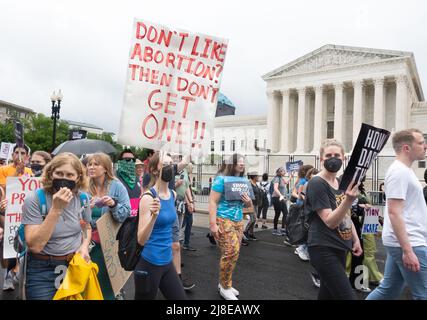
330,130
256,144
233,145
421,164
212,145
222,145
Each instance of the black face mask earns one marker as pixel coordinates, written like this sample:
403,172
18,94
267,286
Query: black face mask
63,183
37,169
332,164
167,173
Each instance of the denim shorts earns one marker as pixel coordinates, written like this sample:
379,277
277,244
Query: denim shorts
43,278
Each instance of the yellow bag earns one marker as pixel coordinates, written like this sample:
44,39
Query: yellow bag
80,281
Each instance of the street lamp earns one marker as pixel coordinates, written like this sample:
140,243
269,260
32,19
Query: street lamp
56,106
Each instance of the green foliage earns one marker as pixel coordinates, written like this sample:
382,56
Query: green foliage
7,132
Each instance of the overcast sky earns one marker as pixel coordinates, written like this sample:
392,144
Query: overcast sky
82,47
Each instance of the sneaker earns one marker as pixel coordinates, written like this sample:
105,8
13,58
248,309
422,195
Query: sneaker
187,285
363,289
252,237
302,254
264,227
315,278
245,242
245,236
276,232
188,248
227,294
256,225
211,239
8,282
235,292
286,241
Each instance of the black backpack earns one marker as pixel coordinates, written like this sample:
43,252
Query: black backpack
129,248
297,224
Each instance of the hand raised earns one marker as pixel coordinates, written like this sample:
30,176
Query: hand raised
352,191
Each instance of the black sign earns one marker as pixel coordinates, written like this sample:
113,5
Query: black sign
235,188
369,144
19,134
77,134
293,166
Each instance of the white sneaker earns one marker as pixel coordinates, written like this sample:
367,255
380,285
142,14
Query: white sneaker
227,294
8,282
235,291
302,254
363,289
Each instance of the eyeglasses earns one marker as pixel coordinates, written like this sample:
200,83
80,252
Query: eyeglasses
129,159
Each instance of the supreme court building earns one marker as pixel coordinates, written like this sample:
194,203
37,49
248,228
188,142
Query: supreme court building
328,93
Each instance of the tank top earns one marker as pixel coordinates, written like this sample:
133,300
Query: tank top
158,248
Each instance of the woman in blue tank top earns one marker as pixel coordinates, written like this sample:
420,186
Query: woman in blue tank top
157,214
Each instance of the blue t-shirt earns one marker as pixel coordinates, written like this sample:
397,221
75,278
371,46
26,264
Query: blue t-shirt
300,183
158,248
227,209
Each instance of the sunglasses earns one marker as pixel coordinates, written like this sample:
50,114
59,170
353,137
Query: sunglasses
129,159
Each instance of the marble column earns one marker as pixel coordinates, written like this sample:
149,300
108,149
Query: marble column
339,112
401,103
272,121
284,128
357,109
379,115
318,118
301,120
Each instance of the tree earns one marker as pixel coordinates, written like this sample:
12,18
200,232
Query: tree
7,132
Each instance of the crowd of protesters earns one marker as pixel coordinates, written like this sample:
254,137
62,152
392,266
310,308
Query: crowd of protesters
60,220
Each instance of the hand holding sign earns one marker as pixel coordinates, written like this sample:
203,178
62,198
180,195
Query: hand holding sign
246,200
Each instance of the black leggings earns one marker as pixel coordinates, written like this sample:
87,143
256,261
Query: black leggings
330,265
149,278
279,207
263,208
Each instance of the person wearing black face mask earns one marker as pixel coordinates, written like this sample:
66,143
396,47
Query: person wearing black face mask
331,233
39,159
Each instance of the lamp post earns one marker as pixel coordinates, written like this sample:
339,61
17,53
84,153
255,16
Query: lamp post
56,106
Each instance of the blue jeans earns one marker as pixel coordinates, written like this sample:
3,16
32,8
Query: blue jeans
396,276
188,224
41,280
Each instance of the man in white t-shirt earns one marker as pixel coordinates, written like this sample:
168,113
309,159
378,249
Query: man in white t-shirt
405,222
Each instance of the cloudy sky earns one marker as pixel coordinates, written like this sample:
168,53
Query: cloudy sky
82,47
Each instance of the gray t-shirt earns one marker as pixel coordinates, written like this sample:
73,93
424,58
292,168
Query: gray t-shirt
281,186
67,235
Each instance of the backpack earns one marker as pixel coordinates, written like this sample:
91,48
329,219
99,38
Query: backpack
19,243
297,225
127,236
271,189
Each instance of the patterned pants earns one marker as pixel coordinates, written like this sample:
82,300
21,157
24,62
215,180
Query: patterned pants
229,244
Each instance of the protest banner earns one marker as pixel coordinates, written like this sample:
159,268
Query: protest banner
6,150
172,87
371,222
107,229
369,144
17,188
19,134
294,165
234,187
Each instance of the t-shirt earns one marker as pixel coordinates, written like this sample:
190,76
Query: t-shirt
320,195
67,235
300,183
10,171
282,186
402,183
227,209
180,191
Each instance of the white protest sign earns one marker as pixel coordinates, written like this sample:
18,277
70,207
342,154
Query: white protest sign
6,150
17,188
107,229
172,87
371,223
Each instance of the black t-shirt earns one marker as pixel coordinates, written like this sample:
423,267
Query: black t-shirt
320,195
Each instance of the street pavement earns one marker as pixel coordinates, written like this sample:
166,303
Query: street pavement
267,269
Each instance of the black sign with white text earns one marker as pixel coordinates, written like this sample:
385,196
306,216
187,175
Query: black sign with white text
235,188
370,142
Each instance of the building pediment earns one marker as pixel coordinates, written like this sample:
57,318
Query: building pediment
332,57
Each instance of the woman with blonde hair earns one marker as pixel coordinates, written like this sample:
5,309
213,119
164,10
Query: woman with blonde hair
107,194
56,225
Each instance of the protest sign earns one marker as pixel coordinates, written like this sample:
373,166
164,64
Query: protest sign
19,134
17,188
6,150
234,188
107,229
172,87
369,144
294,165
371,223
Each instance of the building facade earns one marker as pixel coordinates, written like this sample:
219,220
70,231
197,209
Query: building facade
12,111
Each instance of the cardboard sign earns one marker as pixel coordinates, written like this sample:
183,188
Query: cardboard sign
6,150
234,189
17,188
371,223
293,166
107,229
172,87
369,144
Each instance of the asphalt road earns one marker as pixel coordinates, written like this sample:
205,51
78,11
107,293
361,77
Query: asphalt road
267,270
